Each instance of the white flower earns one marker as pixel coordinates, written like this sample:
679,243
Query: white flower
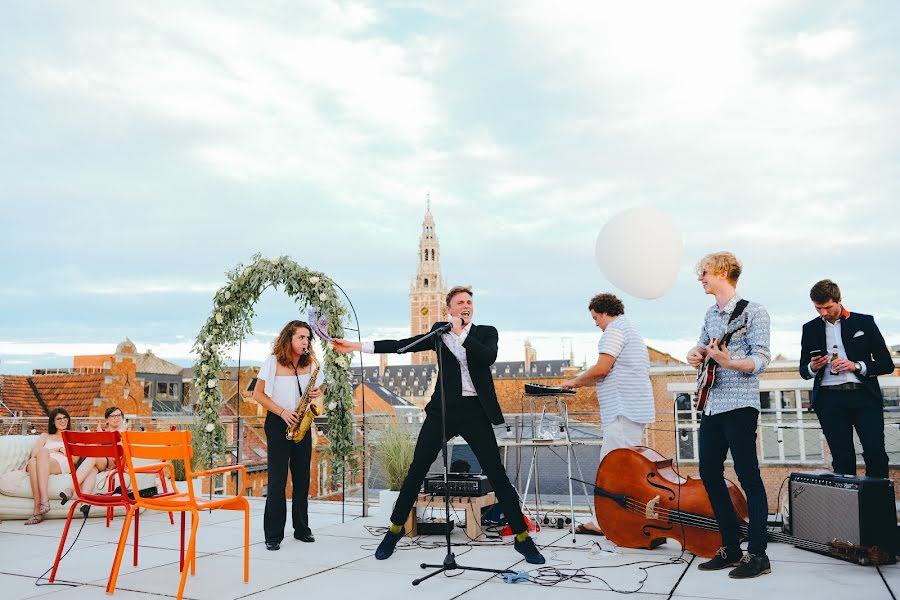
314,280
211,383
204,368
323,296
332,405
210,427
227,294
219,318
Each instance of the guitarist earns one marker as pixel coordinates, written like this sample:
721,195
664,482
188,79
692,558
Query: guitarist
731,413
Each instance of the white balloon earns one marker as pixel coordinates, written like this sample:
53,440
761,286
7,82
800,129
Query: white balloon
639,251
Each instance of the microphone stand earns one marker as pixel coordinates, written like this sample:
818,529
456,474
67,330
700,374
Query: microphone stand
449,563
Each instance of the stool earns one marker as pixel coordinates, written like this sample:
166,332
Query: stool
471,504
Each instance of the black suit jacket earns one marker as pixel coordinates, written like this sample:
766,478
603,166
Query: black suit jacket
862,341
481,353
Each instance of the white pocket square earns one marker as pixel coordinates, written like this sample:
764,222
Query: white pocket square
859,333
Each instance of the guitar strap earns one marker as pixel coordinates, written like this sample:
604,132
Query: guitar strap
737,312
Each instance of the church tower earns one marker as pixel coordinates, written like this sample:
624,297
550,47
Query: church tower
427,294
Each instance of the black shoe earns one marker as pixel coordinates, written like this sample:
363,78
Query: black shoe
63,498
527,549
725,557
751,566
273,545
306,537
387,545
85,509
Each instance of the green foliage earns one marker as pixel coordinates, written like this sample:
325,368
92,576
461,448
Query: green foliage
230,321
393,453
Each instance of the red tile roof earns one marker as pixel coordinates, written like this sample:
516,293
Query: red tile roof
75,393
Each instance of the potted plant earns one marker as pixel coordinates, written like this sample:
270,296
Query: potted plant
392,455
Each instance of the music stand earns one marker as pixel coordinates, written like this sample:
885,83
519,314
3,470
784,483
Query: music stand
449,563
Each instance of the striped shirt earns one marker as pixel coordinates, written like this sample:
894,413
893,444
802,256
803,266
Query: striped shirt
735,389
626,390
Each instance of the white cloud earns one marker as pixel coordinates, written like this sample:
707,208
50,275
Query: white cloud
136,287
825,44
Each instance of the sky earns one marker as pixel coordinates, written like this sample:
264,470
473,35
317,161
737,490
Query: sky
148,148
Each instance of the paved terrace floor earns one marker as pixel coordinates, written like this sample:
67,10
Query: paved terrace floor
340,564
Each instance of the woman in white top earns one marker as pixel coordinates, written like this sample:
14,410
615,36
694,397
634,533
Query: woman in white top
279,385
48,457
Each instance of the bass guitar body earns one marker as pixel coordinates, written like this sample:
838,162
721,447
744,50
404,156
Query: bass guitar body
641,501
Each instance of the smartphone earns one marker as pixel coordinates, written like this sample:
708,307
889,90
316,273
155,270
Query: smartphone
814,354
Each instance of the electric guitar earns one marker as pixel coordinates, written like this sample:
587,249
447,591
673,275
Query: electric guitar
706,376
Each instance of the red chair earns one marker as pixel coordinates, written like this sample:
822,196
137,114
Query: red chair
88,444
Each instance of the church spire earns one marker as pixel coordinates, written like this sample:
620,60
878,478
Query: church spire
427,293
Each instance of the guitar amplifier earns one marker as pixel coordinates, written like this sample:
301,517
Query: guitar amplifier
858,510
460,484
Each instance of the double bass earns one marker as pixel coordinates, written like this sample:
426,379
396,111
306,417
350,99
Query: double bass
641,500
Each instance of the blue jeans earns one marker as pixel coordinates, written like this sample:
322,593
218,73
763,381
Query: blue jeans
734,430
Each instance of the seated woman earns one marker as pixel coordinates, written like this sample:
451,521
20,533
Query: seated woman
48,457
89,468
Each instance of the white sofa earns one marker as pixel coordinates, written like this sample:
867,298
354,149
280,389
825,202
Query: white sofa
16,501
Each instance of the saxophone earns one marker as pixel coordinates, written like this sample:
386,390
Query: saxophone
306,409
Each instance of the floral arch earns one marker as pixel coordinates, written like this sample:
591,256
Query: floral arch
230,322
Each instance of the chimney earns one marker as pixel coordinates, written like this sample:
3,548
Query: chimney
530,356
382,364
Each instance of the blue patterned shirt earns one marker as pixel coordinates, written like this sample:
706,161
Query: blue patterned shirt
735,389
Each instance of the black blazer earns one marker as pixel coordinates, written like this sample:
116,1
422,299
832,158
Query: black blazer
481,353
863,343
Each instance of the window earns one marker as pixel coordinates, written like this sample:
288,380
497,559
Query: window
765,401
166,390
148,390
891,396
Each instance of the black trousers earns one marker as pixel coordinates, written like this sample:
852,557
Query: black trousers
839,412
283,454
465,417
734,430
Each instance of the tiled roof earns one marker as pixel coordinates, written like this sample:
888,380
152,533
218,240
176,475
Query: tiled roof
75,393
387,395
150,363
403,380
539,368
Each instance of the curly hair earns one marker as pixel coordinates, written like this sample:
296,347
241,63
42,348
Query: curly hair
282,346
607,304
51,424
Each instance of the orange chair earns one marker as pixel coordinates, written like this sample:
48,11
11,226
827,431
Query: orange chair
176,445
104,444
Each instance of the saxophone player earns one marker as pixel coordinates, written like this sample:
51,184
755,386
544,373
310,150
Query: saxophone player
289,373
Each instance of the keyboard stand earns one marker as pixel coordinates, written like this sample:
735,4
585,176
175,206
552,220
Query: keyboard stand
562,409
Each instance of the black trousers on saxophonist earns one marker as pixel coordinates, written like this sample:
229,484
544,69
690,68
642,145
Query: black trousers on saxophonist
284,454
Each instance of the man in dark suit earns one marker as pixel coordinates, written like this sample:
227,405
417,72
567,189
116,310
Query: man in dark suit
467,353
845,392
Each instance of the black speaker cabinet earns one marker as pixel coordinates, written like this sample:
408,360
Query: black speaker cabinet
828,506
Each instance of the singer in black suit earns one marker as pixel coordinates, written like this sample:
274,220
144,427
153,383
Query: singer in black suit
467,353
846,394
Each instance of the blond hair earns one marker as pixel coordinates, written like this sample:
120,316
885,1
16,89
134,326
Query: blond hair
721,263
